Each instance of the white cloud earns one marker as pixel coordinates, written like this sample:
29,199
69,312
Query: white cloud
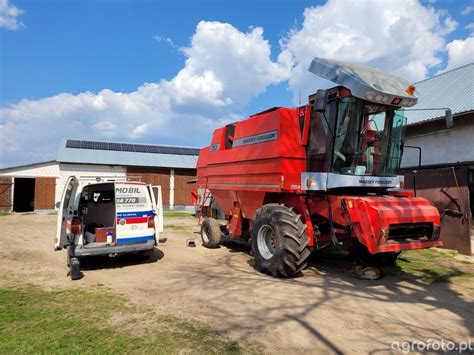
106,128
224,69
460,52
467,10
226,66
8,16
470,27
402,37
165,40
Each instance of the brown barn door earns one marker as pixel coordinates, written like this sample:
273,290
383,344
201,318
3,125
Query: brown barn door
182,190
6,194
45,190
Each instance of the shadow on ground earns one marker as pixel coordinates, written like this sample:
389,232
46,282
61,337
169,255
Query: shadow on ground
326,285
120,261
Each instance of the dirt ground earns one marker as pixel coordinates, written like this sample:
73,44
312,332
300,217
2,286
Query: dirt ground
325,310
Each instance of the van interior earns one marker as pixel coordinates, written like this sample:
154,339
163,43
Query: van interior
97,212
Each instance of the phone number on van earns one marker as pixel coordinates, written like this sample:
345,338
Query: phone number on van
126,200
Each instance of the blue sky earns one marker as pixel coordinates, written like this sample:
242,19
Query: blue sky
57,57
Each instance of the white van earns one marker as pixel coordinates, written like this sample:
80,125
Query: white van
108,217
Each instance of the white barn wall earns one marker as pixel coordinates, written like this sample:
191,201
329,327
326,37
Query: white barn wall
447,146
61,171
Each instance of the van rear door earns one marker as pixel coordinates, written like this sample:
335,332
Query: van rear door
159,208
157,201
133,211
65,213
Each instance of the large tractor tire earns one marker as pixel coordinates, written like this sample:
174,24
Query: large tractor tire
210,233
279,242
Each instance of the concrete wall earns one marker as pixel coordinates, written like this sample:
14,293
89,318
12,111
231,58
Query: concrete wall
440,145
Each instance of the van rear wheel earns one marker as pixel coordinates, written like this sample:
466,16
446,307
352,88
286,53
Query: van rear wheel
279,242
68,257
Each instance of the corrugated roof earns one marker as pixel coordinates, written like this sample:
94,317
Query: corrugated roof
453,89
78,155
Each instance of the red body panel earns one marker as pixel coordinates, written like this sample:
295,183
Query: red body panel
272,166
258,170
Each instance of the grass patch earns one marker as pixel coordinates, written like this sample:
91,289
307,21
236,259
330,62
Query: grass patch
96,321
433,266
3,214
177,214
52,213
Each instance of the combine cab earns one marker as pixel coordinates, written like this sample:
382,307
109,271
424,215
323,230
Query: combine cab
292,180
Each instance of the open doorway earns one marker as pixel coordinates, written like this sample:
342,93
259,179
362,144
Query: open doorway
24,195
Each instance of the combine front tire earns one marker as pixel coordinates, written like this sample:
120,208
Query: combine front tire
210,233
279,242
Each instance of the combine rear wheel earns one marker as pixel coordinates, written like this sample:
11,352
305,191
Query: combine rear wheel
210,233
279,242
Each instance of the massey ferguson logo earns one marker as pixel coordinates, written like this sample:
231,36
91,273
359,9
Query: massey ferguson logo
259,138
127,190
372,182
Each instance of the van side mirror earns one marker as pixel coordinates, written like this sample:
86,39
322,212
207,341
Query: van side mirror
57,204
320,101
449,119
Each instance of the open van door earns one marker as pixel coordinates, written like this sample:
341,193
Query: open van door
65,213
159,206
155,193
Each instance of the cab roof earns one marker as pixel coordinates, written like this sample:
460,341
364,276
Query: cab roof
364,82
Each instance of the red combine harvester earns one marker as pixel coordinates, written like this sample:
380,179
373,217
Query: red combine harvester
293,180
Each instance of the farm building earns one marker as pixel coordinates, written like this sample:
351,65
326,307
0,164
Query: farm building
37,187
446,177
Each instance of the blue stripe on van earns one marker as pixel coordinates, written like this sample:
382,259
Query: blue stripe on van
135,239
134,214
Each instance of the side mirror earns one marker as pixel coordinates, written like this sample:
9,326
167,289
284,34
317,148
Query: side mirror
57,204
320,101
449,119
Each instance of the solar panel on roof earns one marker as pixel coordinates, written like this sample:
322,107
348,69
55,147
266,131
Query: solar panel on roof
165,150
153,149
128,147
190,151
87,145
176,150
115,146
101,145
70,143
141,148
